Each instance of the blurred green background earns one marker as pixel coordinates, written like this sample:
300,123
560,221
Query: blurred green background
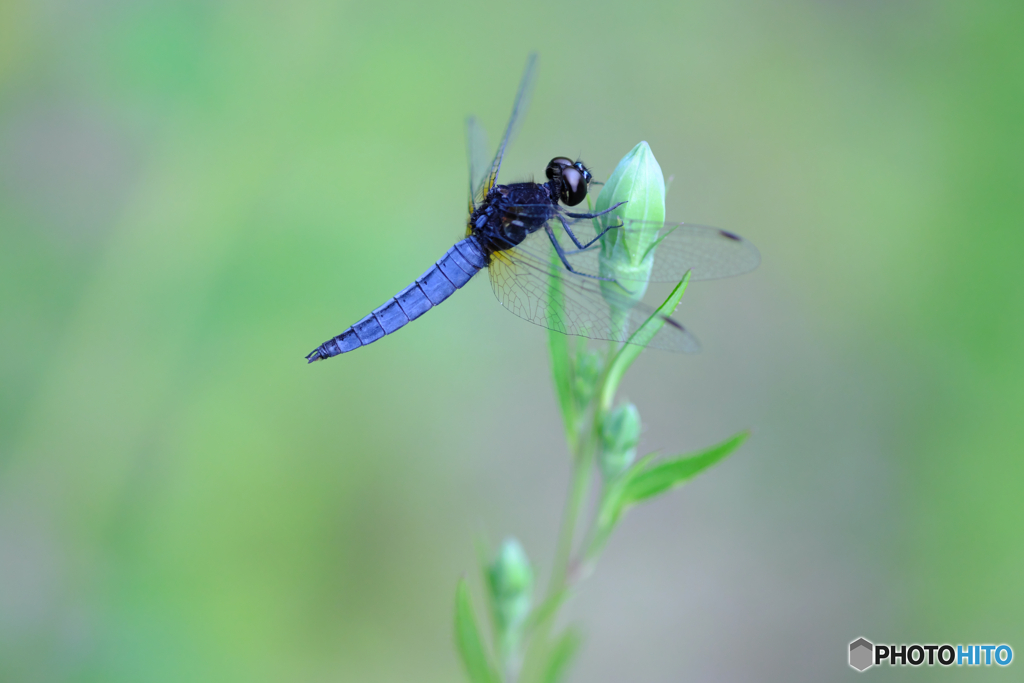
194,194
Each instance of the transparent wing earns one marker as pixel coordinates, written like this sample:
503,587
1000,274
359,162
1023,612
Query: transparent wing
707,252
518,111
550,296
478,149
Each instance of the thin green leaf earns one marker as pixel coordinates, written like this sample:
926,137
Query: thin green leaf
561,363
565,648
469,641
631,350
668,474
644,480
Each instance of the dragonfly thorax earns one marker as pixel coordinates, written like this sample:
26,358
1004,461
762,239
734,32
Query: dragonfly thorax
510,213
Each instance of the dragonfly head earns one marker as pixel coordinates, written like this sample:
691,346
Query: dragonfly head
569,179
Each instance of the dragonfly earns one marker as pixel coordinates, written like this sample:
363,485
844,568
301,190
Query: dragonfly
543,259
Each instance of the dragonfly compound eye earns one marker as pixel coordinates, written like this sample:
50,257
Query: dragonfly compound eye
574,179
574,186
587,176
555,167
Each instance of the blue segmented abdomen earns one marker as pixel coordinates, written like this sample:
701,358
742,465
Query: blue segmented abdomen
451,272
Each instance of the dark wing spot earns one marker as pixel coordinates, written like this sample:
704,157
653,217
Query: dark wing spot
730,235
673,323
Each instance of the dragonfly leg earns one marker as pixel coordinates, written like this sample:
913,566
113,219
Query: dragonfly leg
565,262
593,215
576,241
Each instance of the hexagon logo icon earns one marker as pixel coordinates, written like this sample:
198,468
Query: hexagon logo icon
861,652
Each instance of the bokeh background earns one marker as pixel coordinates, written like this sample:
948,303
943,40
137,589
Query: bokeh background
195,194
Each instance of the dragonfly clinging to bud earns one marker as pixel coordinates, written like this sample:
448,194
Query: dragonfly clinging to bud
527,239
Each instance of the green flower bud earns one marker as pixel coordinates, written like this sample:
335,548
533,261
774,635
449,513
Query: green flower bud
587,373
628,256
620,434
510,583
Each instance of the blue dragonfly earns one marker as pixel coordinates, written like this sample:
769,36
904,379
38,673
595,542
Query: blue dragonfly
527,239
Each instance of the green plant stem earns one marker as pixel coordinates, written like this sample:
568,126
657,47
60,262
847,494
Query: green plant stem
584,446
579,487
582,465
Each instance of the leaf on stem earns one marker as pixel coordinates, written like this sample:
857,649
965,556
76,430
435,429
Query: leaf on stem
565,648
673,472
645,480
469,641
561,365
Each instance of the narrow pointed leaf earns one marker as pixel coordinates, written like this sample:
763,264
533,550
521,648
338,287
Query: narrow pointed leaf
469,641
645,480
561,364
668,474
565,648
631,351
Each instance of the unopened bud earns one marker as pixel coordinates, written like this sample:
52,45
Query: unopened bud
510,582
587,372
620,434
627,255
